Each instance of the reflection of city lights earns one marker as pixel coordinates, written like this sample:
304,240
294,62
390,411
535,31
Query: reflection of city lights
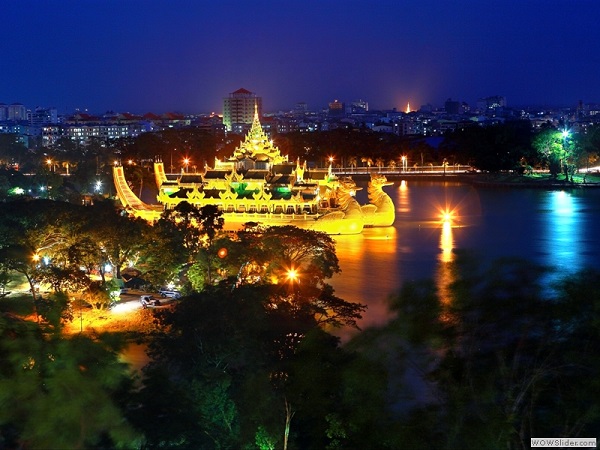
444,276
446,242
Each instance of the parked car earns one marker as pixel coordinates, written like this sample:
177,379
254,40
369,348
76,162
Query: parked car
169,293
148,300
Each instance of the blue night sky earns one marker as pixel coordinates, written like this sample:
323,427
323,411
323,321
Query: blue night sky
185,56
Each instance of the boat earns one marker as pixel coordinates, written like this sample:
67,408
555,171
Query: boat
257,185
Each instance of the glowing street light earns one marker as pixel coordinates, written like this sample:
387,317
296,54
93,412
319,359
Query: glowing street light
404,163
292,275
186,163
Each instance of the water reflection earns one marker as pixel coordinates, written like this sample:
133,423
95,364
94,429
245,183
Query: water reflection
563,223
445,275
368,263
546,227
446,242
403,205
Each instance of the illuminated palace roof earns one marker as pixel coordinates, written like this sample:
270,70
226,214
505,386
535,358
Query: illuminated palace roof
257,146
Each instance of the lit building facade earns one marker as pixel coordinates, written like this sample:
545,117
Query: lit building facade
238,109
16,112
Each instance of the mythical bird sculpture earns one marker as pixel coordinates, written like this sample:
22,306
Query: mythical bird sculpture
380,212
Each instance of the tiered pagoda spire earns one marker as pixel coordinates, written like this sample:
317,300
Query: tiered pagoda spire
257,146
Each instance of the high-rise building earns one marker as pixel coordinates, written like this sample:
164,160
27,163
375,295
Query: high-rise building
238,108
336,108
300,109
452,106
43,116
491,104
16,112
359,106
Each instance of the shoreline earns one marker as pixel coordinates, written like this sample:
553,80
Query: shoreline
480,180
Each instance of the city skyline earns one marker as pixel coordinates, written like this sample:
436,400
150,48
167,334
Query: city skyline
187,56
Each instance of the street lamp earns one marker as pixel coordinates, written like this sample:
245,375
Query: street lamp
292,275
186,163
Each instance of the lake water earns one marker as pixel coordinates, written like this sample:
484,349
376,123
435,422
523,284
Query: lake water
549,227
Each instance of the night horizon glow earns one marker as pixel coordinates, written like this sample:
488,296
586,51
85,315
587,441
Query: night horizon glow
187,56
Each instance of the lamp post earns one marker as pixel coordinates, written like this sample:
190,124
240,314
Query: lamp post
174,150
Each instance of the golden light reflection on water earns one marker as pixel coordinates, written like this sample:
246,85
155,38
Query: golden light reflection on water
403,198
377,263
368,263
444,276
446,242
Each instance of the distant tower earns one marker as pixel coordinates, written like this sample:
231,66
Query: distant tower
336,108
407,107
238,108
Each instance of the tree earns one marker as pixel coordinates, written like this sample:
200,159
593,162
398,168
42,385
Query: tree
12,151
352,162
553,150
121,238
61,391
288,247
229,362
500,356
197,228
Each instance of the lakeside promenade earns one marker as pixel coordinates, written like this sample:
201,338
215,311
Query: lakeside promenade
465,174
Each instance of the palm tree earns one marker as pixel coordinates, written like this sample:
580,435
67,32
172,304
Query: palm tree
379,162
368,161
352,161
